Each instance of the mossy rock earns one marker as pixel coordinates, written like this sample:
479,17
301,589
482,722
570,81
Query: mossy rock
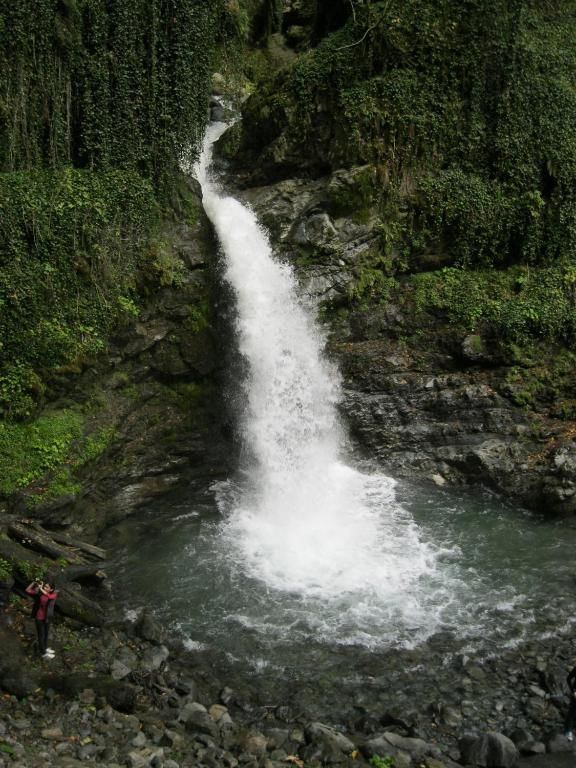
24,561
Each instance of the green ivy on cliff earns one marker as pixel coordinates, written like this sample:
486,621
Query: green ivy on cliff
465,111
522,303
99,103
45,453
72,245
122,84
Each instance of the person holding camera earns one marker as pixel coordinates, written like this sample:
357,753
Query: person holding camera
44,595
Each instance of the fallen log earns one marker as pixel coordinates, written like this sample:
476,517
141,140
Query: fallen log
118,693
82,546
89,573
41,541
21,558
74,605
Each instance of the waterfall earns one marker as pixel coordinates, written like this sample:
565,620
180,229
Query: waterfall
302,519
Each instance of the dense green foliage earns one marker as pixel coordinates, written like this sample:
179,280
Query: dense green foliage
71,248
465,111
49,450
99,102
5,570
120,84
377,761
523,302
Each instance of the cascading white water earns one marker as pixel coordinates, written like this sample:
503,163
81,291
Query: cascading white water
304,521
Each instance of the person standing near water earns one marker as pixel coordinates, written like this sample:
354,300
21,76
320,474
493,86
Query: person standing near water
571,716
44,595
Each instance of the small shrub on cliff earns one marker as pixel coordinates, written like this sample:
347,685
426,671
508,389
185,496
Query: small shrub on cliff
47,453
71,249
371,285
167,266
5,569
29,451
516,304
33,571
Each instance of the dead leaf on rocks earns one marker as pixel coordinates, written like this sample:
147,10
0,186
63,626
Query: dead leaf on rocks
294,759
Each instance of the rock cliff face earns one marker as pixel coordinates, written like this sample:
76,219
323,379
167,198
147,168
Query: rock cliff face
155,392
424,399
364,155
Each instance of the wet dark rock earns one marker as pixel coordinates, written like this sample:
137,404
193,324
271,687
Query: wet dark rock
533,748
196,719
493,750
186,688
145,758
372,324
253,743
199,352
449,716
118,670
559,743
396,718
148,628
154,658
380,746
326,745
16,677
119,694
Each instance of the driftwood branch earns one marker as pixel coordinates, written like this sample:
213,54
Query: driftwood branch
351,45
353,10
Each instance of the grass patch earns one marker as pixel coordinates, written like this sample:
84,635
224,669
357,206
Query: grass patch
47,452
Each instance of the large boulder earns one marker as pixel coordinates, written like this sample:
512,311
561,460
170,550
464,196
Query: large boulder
16,676
390,744
326,745
118,693
492,750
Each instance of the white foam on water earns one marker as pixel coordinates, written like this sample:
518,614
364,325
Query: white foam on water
305,522
192,645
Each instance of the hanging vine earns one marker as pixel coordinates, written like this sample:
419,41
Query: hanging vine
98,102
118,84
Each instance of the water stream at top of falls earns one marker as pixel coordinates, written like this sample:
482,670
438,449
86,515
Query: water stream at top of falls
302,519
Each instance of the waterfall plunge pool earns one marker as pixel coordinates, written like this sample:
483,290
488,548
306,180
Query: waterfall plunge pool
503,577
309,571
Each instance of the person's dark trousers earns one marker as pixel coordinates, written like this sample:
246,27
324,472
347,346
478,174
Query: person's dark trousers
42,628
570,722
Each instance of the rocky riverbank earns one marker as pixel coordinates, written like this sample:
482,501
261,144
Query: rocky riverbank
122,692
